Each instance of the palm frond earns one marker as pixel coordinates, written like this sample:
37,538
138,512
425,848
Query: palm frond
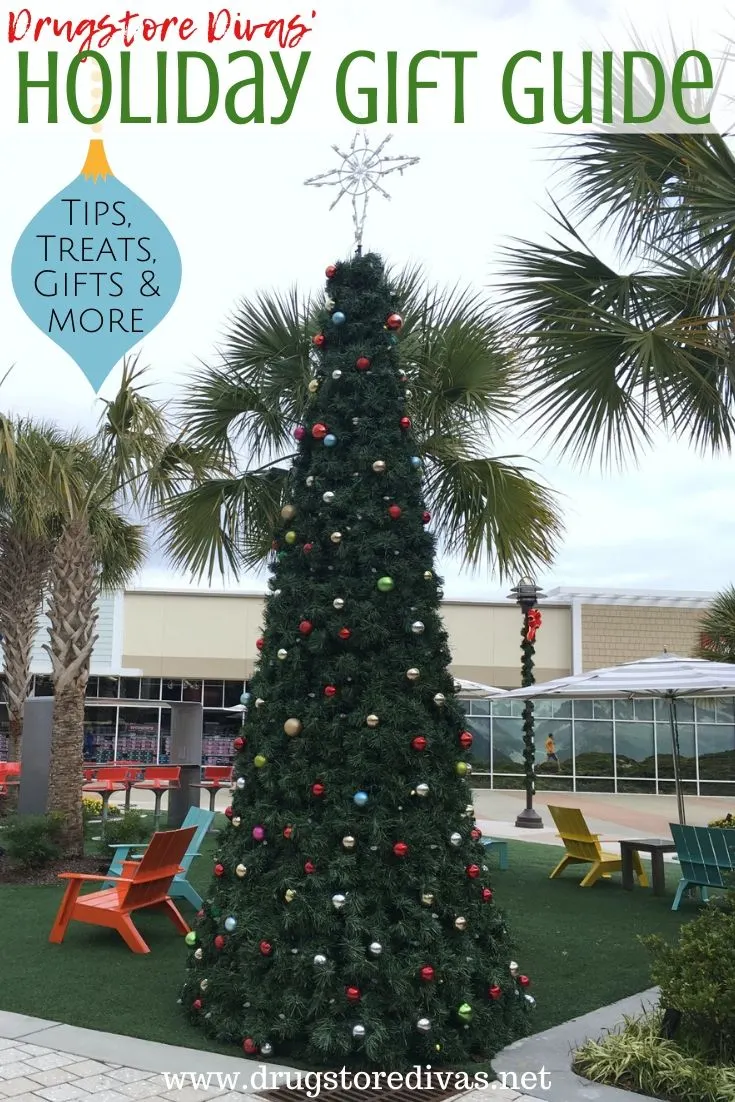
717,628
120,547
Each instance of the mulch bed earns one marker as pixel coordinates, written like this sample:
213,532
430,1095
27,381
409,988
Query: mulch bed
11,873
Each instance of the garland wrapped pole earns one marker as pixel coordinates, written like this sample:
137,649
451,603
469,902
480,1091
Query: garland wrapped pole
527,594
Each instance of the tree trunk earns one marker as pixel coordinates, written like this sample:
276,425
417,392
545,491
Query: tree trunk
73,616
24,564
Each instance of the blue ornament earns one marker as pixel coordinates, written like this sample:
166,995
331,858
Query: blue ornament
330,440
415,462
230,924
338,318
245,699
360,798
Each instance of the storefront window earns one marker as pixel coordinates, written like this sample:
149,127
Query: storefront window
507,745
137,738
635,750
150,688
213,694
593,747
219,731
171,689
108,688
99,734
716,745
192,691
233,692
43,686
479,728
130,688
665,750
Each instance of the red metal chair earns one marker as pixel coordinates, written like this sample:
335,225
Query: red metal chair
214,777
159,779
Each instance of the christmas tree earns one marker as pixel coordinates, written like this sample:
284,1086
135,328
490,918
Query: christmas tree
351,919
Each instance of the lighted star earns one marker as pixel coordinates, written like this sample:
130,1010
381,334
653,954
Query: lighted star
360,173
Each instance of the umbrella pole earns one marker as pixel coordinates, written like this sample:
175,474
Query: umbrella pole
677,760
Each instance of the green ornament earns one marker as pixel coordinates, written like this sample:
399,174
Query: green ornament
385,584
191,938
465,1012
461,768
259,761
281,555
290,537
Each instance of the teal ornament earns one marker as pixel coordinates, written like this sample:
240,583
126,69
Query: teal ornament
96,270
330,441
360,798
245,699
338,318
415,462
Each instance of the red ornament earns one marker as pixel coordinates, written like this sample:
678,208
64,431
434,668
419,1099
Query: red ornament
219,870
249,1046
330,691
219,942
288,832
306,627
400,849
533,623
331,271
362,363
353,994
229,812
197,1004
425,516
317,789
299,432
494,992
319,340
523,981
309,868
487,895
394,322
319,431
465,740
473,871
426,973
475,834
419,743
238,743
260,643
344,633
405,423
266,948
308,547
394,511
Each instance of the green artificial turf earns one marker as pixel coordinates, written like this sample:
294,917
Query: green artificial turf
579,946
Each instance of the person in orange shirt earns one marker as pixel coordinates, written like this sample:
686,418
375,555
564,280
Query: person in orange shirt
551,752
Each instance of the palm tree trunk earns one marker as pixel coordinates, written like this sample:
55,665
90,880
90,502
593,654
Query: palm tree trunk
73,616
24,564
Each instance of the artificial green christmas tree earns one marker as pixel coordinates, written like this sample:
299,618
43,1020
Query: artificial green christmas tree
351,919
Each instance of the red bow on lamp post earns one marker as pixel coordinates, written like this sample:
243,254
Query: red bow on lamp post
533,624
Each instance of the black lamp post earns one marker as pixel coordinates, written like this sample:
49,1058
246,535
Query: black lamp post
527,594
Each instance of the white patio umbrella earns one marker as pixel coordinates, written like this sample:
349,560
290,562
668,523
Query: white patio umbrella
667,676
474,690
237,708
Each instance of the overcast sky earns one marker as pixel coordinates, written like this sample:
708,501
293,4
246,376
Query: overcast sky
234,201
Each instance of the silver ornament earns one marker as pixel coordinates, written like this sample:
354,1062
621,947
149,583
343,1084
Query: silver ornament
282,653
236,820
379,466
469,809
204,985
440,700
240,870
259,702
375,948
198,954
230,924
358,1030
328,498
310,480
336,537
423,1025
460,923
413,674
439,591
266,1048
313,386
355,420
422,790
417,627
428,575
513,968
337,374
276,593
320,960
338,901
530,1000
455,839
240,782
348,841
338,603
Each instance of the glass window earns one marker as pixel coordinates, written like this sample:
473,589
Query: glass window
192,691
500,708
665,750
644,710
516,708
602,709
44,686
130,688
92,687
137,737
171,689
219,731
477,707
684,711
582,709
725,709
705,709
560,732
624,709
233,692
108,688
561,709
507,745
213,694
150,688
479,727
593,747
635,749
716,745
99,734
165,739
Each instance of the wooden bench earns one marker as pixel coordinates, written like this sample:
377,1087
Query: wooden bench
704,853
143,885
583,847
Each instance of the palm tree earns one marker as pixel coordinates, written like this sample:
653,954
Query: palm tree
613,355
463,381
717,628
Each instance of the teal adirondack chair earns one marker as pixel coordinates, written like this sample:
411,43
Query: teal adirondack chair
180,886
704,854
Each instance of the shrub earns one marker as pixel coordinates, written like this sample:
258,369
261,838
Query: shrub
728,823
697,976
132,826
637,1058
92,809
32,841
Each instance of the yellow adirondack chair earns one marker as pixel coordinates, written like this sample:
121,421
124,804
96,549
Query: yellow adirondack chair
583,847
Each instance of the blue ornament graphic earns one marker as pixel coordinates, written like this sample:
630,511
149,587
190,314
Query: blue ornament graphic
415,462
245,699
330,440
338,318
360,798
96,269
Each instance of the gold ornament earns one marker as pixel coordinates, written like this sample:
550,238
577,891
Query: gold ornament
288,512
413,674
282,653
348,841
293,727
240,871
204,985
379,466
428,575
290,895
460,923
313,386
259,702
372,721
236,820
440,700
427,899
336,537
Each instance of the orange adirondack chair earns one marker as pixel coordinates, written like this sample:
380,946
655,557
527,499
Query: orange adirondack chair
144,884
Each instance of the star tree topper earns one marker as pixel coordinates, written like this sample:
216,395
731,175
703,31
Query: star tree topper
360,173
